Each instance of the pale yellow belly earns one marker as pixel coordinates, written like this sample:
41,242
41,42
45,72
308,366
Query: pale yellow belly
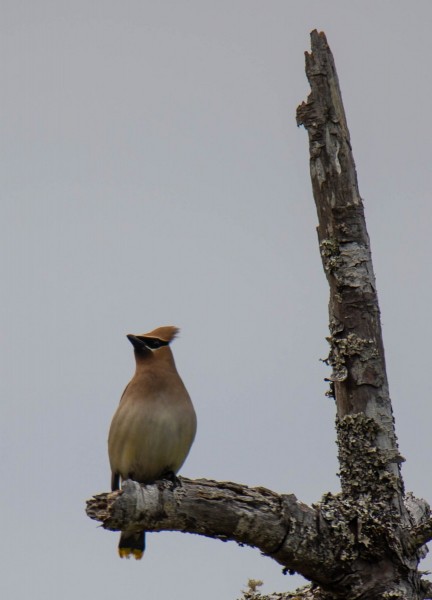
147,442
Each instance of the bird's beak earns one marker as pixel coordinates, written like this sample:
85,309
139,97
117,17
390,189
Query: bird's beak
136,342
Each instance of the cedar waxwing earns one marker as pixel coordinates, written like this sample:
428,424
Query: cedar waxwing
154,426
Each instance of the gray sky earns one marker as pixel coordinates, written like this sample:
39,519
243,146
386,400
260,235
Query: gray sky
153,173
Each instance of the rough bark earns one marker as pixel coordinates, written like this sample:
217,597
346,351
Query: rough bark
366,542
359,380
372,486
280,526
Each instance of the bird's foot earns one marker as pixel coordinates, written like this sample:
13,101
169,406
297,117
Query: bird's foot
171,476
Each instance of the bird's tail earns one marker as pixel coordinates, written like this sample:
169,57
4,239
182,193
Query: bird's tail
131,543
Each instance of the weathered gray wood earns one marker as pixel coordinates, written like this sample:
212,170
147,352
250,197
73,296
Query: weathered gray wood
369,458
278,525
359,379
317,541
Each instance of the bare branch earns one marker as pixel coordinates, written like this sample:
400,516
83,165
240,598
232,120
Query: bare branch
320,542
278,525
359,380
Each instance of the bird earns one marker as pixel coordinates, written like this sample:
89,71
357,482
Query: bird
154,425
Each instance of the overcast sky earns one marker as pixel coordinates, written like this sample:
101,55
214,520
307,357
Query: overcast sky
152,173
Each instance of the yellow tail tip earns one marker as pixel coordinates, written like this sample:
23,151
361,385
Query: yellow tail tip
128,552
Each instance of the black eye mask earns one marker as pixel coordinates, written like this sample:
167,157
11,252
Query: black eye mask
153,343
141,342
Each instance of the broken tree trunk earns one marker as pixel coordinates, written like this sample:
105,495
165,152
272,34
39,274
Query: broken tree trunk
369,459
366,542
359,379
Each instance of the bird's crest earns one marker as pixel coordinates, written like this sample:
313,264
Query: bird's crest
165,334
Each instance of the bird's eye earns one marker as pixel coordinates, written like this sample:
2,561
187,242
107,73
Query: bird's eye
154,344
